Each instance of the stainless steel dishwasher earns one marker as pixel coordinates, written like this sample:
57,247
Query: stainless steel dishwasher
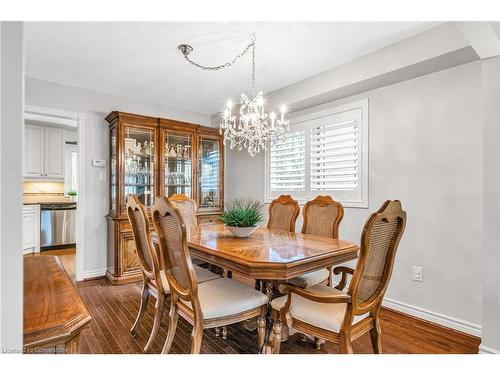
57,224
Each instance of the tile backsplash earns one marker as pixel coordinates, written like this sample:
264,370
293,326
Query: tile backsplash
43,187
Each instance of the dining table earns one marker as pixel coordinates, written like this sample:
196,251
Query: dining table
54,314
269,256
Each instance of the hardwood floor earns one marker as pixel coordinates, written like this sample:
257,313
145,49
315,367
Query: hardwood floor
114,309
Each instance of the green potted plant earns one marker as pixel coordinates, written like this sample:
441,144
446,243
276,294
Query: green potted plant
72,195
242,216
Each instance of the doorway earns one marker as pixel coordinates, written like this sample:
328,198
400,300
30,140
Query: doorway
72,181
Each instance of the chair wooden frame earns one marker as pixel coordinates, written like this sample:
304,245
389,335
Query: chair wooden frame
390,211
151,279
324,200
225,273
285,200
193,314
181,198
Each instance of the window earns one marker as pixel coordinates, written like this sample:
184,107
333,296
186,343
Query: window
325,153
288,160
71,169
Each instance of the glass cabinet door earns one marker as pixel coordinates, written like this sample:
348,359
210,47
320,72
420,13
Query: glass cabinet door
113,168
178,163
209,189
139,164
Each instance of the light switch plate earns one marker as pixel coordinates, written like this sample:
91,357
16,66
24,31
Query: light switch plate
417,273
102,176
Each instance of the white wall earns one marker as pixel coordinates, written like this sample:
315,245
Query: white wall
441,47
490,271
95,106
11,137
425,141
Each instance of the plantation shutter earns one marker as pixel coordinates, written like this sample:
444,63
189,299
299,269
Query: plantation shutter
334,155
287,163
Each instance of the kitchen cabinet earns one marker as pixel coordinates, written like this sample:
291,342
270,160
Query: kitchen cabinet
31,228
54,154
33,151
43,152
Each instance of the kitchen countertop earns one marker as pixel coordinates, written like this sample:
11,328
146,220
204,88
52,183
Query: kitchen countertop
40,199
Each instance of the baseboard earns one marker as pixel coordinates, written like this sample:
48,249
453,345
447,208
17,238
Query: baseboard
486,350
433,317
94,273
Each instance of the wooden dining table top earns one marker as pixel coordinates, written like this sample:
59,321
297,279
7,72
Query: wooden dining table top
53,310
267,254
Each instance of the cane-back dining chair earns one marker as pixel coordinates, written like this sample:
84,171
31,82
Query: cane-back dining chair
152,283
154,280
321,217
329,314
211,304
283,213
187,208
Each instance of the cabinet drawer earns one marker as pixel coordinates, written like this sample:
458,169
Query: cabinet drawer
29,223
209,219
31,227
31,208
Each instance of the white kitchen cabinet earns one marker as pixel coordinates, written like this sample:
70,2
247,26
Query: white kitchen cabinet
31,228
34,141
54,153
43,152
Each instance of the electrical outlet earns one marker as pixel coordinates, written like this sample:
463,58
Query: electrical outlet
417,273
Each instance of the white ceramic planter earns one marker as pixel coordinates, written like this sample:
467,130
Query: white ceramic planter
242,231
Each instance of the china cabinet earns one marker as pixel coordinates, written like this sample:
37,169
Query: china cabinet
151,157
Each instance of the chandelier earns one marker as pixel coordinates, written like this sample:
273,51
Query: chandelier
247,125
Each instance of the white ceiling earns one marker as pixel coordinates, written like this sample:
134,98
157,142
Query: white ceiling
141,60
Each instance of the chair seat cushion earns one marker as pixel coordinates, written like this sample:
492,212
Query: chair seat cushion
310,279
328,316
202,276
224,297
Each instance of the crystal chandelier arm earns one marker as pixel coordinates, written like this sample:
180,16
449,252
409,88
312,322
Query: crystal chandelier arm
186,50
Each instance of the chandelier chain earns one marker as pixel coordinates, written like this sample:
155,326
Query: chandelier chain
253,64
231,63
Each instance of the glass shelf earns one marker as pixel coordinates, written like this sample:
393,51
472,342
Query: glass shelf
174,158
137,184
